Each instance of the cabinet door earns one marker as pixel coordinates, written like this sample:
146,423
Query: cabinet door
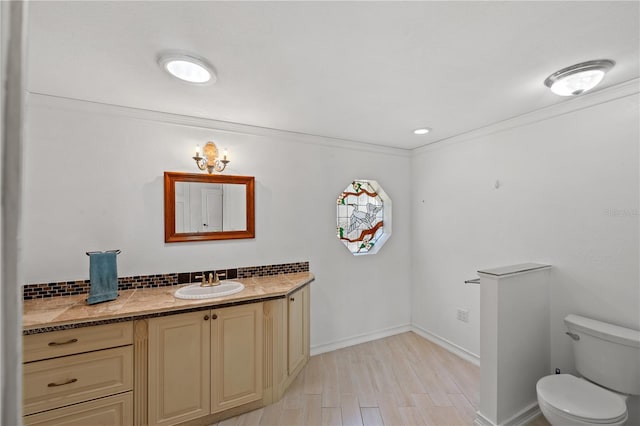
236,356
179,372
298,334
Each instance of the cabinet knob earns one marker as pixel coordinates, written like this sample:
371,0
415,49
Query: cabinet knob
214,316
293,299
206,317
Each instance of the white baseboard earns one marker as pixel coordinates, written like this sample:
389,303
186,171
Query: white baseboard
521,418
450,346
361,338
525,416
391,331
482,420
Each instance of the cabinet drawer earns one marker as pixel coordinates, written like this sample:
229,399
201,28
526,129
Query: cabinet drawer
76,340
68,380
114,410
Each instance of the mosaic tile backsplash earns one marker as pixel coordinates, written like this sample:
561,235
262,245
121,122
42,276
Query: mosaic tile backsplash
68,288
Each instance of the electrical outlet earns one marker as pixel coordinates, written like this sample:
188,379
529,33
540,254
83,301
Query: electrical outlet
463,315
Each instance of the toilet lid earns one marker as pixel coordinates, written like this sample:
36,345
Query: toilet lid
580,398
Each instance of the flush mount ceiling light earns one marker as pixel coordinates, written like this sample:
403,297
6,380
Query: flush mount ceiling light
187,67
422,131
579,78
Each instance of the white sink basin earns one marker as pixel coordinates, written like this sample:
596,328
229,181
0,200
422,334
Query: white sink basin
195,291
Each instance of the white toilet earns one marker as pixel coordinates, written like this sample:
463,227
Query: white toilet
608,358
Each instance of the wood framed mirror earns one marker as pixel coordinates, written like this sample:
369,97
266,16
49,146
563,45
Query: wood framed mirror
199,207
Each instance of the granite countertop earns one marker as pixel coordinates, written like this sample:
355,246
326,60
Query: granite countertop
65,310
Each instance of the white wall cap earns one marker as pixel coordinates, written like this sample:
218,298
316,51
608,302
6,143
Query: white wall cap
513,269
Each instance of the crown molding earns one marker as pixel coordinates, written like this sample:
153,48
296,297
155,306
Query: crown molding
41,100
611,93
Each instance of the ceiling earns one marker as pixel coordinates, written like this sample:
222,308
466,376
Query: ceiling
363,71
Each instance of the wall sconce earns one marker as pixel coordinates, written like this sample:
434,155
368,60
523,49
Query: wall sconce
210,161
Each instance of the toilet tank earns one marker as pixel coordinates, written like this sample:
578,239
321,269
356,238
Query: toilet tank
606,354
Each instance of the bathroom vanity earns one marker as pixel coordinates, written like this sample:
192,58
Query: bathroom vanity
148,358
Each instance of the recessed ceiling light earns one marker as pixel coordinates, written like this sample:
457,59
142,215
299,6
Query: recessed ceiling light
187,67
579,78
422,131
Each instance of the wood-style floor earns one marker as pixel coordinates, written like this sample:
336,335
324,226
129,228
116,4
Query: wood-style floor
400,380
396,381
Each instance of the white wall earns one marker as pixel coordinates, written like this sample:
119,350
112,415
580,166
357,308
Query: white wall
93,181
562,181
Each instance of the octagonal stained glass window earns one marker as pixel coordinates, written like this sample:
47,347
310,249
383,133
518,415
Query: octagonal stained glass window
364,217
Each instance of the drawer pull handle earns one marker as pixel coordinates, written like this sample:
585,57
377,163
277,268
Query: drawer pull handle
206,317
62,343
214,316
68,382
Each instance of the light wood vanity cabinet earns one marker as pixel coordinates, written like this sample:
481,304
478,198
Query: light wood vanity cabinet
286,342
73,377
236,356
204,362
179,367
298,330
195,368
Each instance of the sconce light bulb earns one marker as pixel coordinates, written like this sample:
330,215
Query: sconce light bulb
197,150
225,153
